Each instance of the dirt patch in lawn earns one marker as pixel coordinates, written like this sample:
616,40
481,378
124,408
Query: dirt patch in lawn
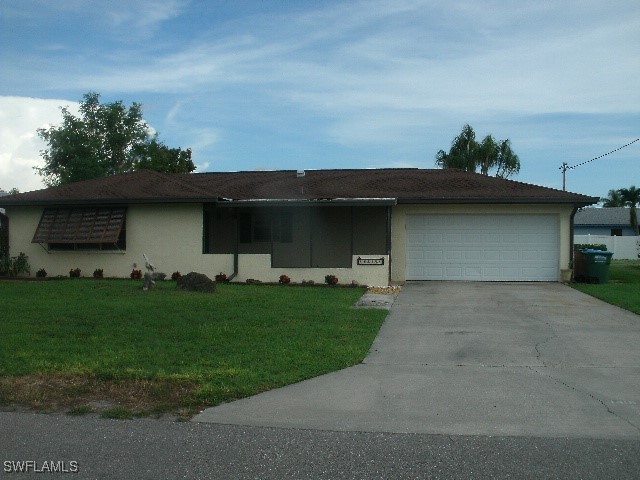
84,394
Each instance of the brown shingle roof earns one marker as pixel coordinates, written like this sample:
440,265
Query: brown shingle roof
404,185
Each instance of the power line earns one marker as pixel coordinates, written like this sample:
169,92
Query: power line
566,167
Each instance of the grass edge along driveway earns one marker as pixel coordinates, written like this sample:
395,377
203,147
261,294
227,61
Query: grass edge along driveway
623,289
106,346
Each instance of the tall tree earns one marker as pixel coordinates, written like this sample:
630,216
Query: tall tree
467,154
625,197
106,139
613,200
155,155
631,197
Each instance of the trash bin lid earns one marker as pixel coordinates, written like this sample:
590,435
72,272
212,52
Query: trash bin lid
597,252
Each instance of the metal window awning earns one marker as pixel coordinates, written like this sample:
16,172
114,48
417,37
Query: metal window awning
80,225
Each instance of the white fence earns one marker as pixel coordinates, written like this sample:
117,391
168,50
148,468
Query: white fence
623,248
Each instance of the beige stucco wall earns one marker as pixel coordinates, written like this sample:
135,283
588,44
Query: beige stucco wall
171,236
259,267
400,212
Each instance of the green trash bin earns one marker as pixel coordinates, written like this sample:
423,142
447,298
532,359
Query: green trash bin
596,265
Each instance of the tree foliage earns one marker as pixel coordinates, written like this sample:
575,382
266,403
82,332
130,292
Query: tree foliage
625,197
466,153
106,139
613,200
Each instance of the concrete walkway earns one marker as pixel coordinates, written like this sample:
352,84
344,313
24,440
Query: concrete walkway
538,359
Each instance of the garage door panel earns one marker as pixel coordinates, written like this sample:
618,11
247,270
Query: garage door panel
434,238
509,255
491,255
483,247
490,272
473,255
531,255
453,272
454,255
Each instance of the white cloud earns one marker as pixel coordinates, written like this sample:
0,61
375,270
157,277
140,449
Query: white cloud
142,15
359,73
20,146
410,55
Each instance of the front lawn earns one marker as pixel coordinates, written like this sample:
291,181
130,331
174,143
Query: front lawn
623,288
95,345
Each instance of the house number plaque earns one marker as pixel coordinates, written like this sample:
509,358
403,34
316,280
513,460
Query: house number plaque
371,261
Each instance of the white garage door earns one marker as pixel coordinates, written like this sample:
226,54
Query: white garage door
483,247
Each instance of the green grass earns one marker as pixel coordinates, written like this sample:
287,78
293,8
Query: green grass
66,343
623,288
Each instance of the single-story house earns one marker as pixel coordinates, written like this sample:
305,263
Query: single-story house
613,221
368,226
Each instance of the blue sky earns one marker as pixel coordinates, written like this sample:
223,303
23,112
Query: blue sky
326,84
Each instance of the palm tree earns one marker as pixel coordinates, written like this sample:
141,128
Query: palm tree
631,198
507,162
467,154
463,152
613,200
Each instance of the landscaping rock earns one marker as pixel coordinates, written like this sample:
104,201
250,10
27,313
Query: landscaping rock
196,282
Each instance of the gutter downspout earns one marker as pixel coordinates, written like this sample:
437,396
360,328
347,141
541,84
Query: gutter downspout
235,253
389,246
571,229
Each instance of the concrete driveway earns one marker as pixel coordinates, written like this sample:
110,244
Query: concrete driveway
535,359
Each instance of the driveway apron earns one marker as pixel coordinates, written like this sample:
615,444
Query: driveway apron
472,358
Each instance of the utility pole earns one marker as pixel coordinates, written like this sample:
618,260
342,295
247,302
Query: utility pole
566,167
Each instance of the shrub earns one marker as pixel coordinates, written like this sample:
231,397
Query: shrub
331,280
41,273
136,274
98,273
175,275
284,280
221,277
14,266
74,273
597,246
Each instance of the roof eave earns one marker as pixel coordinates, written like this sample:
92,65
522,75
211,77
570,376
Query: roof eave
578,202
292,202
103,201
495,201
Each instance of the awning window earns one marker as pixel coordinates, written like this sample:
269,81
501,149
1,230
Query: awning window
80,225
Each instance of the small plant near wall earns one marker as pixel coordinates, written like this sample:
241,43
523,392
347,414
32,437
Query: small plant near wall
14,266
221,277
42,273
98,273
331,280
74,273
175,276
284,280
136,274
589,246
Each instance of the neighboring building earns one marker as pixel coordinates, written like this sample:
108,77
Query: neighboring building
4,229
614,221
2,194
369,226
